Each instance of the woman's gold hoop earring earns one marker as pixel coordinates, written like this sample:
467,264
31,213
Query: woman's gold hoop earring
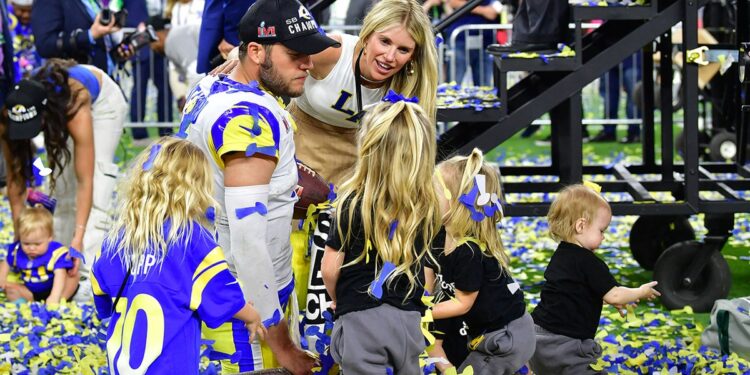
410,68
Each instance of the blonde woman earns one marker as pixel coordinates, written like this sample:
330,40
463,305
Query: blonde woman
162,267
476,285
395,50
373,263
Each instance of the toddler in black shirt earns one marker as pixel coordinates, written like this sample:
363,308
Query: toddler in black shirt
576,282
474,281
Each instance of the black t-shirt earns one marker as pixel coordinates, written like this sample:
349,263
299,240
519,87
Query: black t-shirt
352,288
575,284
452,330
468,269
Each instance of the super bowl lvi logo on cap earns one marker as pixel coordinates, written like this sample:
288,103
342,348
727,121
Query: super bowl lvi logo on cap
266,32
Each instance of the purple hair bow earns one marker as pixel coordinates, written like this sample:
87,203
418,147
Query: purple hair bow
395,97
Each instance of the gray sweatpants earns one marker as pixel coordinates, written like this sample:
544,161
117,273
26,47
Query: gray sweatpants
503,351
562,355
366,342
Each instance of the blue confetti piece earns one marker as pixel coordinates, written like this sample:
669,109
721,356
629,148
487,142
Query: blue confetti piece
331,192
76,254
149,163
395,97
312,331
247,211
377,285
211,214
253,149
274,320
255,131
611,339
394,225
388,371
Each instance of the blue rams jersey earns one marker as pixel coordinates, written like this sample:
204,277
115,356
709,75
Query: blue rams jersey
38,273
155,327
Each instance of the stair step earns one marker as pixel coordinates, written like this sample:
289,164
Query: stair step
586,13
552,64
469,115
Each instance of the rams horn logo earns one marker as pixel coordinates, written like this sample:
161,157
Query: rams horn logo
304,13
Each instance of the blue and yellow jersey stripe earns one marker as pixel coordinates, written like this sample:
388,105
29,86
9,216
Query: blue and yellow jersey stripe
243,127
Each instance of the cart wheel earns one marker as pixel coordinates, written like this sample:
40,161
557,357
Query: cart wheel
723,147
703,141
712,284
651,235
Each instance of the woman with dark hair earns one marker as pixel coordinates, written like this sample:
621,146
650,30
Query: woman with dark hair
80,111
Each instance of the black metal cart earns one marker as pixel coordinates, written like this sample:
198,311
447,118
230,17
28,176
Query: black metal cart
689,272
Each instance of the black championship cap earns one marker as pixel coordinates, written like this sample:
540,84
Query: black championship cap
284,21
25,105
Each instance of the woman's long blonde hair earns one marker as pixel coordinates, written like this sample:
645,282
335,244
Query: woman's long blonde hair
458,174
392,180
409,14
176,187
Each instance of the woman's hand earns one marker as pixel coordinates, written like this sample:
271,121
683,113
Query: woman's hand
76,264
224,68
78,245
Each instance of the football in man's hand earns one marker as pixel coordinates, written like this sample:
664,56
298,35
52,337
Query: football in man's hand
311,189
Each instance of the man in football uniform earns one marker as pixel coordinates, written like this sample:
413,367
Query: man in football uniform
239,121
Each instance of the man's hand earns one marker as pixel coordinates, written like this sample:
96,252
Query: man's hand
98,30
125,51
289,356
158,45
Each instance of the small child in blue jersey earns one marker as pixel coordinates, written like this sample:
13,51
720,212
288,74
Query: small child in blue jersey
41,262
162,267
474,282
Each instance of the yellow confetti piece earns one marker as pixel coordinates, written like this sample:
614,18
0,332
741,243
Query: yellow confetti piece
637,361
593,186
4,337
599,365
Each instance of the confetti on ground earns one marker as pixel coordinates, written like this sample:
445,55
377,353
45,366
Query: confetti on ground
49,340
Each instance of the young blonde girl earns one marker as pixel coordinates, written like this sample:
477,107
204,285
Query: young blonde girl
161,266
576,282
373,264
474,282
